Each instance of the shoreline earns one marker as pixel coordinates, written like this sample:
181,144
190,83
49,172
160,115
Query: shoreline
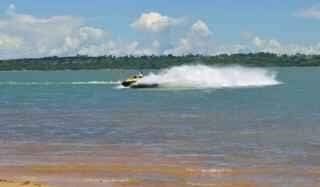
156,69
119,175
64,165
132,175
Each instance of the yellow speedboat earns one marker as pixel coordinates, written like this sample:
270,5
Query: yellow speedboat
132,80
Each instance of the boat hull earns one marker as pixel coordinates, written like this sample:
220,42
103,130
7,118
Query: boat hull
137,86
127,83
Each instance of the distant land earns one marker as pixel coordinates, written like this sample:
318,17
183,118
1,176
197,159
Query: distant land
156,62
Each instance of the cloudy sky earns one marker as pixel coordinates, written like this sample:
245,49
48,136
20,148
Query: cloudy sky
37,28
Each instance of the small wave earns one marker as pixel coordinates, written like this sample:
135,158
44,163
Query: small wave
202,76
59,83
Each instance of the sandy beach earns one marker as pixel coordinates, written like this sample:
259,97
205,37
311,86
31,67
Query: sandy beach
6,183
120,175
37,165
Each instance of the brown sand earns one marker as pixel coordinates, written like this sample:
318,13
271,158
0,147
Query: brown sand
132,166
126,175
6,183
122,175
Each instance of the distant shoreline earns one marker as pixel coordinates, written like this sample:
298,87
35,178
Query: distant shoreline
156,62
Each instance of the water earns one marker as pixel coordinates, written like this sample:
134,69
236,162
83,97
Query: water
275,122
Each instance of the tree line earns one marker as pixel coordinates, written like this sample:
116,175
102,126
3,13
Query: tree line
156,62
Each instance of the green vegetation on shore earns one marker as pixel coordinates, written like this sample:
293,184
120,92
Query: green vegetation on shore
156,62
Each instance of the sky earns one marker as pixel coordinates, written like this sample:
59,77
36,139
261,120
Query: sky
38,28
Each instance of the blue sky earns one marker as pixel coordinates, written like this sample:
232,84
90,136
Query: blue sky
223,25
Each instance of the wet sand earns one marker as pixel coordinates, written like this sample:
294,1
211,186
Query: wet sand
126,175
118,174
63,165
6,183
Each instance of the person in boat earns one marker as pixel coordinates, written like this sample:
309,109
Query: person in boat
132,80
140,75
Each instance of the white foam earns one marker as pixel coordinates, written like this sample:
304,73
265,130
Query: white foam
202,76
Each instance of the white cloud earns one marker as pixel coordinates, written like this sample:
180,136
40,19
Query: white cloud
200,27
229,49
275,46
136,50
90,33
201,44
24,35
126,49
11,10
98,50
153,22
197,41
183,47
10,42
312,12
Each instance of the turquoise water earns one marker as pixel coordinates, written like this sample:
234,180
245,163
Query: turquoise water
272,124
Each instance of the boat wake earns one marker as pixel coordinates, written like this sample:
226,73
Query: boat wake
202,76
60,83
